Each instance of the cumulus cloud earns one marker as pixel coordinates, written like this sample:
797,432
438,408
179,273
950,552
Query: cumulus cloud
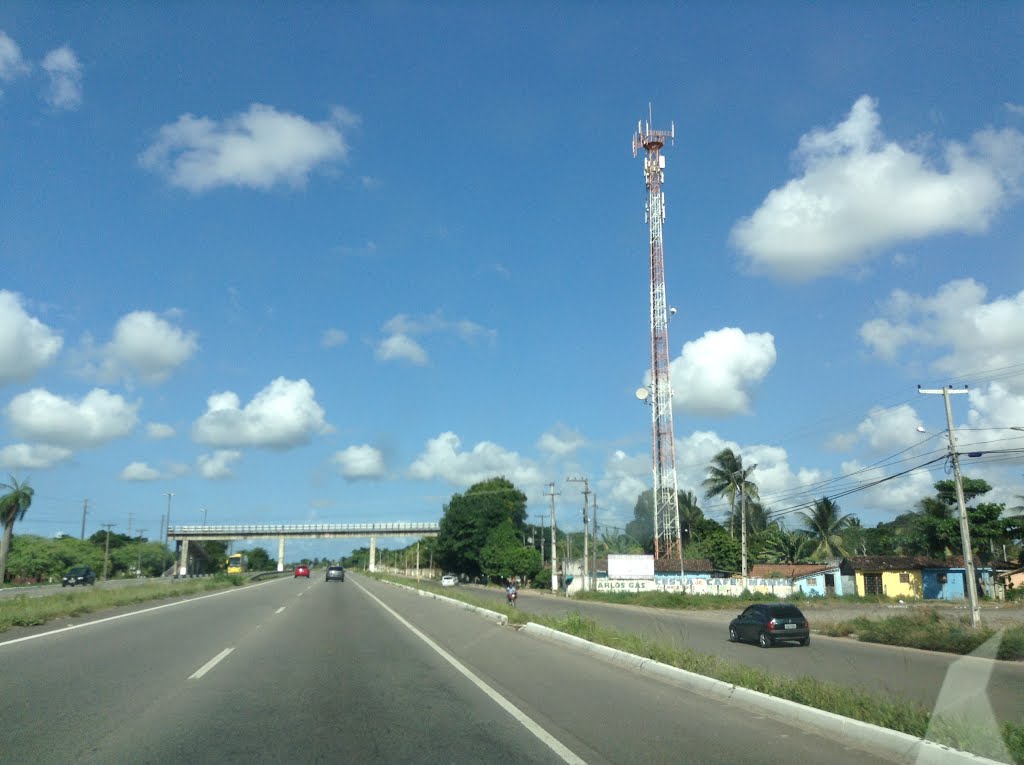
885,429
159,431
717,374
26,344
32,456
218,465
283,415
139,471
96,419
896,496
399,344
979,335
258,149
65,73
401,348
859,193
560,442
363,461
333,338
11,62
144,346
443,458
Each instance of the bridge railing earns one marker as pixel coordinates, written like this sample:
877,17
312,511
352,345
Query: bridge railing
308,528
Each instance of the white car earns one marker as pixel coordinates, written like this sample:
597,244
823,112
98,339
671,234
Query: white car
449,580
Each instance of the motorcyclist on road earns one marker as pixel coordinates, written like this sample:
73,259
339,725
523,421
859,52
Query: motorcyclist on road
511,593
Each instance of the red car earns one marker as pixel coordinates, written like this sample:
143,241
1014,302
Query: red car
302,570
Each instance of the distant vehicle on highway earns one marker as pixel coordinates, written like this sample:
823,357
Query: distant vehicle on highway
302,570
237,563
449,580
78,575
336,573
770,623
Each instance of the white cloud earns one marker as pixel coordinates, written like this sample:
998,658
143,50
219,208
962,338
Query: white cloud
144,345
442,458
980,335
158,431
716,375
401,348
560,442
32,456
1014,108
258,149
26,344
65,92
99,417
282,415
859,193
218,465
11,62
333,338
139,471
888,429
899,495
995,406
363,461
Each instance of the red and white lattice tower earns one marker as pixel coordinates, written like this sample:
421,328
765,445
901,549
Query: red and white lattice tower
667,537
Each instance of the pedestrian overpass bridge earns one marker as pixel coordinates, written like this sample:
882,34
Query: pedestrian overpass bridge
183,535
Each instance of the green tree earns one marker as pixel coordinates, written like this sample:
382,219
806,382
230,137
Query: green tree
504,556
33,557
781,545
13,506
825,526
469,519
260,560
718,547
641,527
728,478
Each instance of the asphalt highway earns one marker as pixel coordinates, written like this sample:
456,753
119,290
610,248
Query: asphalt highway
939,681
308,671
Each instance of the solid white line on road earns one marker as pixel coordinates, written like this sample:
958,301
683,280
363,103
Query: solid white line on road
556,746
133,613
210,664
282,608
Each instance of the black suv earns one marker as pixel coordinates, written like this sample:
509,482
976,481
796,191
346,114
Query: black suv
768,623
78,575
335,572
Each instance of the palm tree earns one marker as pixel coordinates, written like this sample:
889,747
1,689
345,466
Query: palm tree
780,545
825,525
727,478
690,515
13,506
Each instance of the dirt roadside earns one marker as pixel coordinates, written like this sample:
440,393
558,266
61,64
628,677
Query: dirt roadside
994,615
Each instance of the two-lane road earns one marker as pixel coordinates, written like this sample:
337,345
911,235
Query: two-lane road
313,671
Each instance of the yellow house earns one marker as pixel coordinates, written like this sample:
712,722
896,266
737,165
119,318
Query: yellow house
891,576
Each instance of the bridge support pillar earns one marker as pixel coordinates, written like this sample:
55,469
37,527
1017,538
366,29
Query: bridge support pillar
280,554
183,560
373,553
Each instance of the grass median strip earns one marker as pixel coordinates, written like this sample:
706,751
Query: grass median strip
23,611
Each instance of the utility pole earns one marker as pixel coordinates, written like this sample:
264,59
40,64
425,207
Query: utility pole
970,577
554,547
542,535
85,511
593,534
139,570
167,531
586,534
106,551
743,518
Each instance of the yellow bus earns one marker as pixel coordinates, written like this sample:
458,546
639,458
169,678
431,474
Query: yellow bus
237,563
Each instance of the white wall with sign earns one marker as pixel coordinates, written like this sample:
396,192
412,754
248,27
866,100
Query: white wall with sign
631,567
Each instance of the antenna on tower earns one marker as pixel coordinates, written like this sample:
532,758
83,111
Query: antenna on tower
667,537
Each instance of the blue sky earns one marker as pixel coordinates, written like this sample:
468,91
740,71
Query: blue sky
316,262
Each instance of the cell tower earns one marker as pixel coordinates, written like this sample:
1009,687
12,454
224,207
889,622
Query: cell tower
667,539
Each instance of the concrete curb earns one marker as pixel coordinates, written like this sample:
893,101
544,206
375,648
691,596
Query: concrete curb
872,738
500,618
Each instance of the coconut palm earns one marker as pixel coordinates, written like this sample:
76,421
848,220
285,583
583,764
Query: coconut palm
780,545
825,525
13,506
728,478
